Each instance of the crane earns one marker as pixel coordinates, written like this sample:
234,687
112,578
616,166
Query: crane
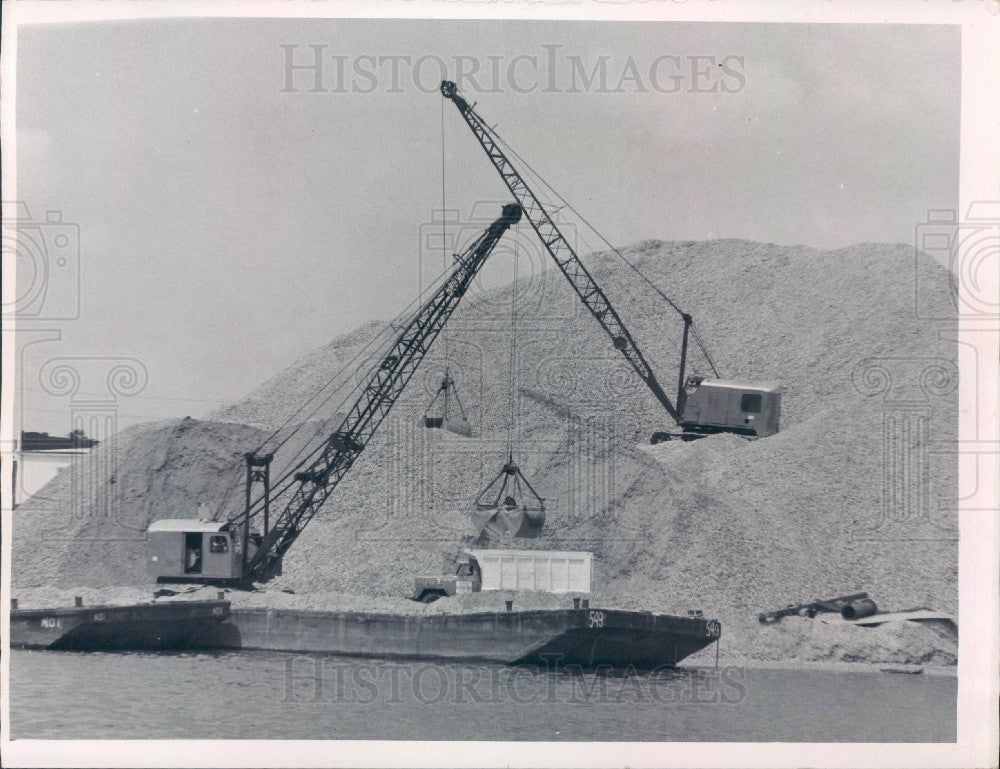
213,551
702,406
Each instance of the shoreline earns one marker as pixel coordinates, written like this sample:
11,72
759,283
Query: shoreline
899,651
887,668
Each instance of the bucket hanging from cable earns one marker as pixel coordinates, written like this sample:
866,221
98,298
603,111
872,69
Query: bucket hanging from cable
509,505
445,409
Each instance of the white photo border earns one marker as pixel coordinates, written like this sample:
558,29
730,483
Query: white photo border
979,554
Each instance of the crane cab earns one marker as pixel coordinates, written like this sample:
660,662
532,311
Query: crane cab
725,405
191,550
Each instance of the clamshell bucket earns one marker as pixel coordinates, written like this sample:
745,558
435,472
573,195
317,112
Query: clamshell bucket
445,410
509,506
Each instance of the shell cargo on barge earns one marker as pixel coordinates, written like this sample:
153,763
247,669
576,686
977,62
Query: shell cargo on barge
587,637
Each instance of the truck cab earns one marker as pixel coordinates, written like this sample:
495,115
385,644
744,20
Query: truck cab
468,578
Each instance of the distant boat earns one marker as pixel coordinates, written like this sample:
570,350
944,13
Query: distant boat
31,441
40,459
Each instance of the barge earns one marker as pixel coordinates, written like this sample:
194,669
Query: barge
585,637
166,626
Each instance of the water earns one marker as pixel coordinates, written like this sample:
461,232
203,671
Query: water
296,696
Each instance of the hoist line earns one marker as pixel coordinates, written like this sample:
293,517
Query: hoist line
444,240
500,140
287,481
339,380
373,359
513,353
339,377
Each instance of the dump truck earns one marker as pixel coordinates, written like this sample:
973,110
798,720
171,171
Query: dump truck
546,571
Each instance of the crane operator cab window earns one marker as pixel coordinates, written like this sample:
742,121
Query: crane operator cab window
192,552
751,403
219,543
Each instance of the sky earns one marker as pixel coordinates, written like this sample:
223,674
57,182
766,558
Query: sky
232,214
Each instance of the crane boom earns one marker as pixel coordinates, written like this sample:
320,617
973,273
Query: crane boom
338,453
565,256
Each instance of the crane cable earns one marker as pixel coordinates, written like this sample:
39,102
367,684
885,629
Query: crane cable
305,421
567,204
286,481
512,361
444,237
403,316
342,378
444,264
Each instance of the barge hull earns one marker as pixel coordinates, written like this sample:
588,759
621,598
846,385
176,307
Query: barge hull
583,637
563,636
168,626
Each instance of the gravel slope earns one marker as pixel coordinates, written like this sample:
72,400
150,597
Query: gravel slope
729,526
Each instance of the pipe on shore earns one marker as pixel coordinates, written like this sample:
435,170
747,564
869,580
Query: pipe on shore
863,607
